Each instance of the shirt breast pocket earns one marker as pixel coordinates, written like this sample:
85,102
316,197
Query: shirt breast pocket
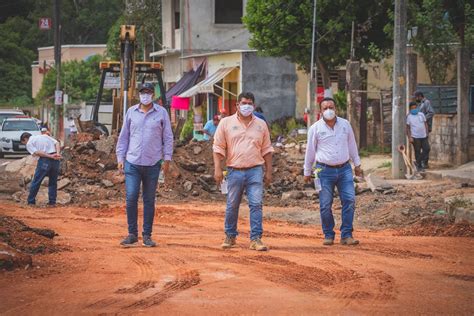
156,123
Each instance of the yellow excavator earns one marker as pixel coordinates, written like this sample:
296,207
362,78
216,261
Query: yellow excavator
130,72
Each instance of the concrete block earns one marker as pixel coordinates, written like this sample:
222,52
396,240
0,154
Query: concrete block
462,214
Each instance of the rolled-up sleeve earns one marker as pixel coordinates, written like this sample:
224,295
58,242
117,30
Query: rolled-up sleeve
167,138
353,152
220,144
267,143
310,154
123,139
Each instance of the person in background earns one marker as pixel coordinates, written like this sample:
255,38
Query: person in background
144,147
47,149
425,107
222,114
417,133
259,113
244,141
45,131
331,145
210,128
72,127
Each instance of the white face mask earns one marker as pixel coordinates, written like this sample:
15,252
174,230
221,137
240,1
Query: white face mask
329,114
146,98
246,109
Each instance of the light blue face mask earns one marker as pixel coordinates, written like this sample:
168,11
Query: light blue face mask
414,111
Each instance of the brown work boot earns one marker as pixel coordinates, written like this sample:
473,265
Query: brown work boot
349,241
258,245
328,241
229,242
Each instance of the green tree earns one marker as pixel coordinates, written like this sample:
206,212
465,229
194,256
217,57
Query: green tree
15,63
283,28
146,16
434,39
80,80
83,22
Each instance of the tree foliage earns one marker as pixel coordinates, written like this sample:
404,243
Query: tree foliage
80,80
283,28
83,22
15,63
434,39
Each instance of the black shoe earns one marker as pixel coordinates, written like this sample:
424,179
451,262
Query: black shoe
147,242
129,241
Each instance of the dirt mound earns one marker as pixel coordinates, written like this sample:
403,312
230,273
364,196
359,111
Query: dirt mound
18,241
440,227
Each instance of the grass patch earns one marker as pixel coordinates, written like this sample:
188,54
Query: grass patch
387,164
460,202
365,152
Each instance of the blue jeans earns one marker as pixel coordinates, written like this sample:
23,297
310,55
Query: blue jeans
46,167
134,176
342,178
250,180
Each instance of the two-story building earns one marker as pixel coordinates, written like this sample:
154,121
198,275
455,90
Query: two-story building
211,32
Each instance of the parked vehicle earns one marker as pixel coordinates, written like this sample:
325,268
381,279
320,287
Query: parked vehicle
6,113
10,132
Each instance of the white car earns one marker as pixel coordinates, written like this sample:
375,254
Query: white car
6,113
10,132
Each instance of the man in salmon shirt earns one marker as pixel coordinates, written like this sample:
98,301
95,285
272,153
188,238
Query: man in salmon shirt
244,140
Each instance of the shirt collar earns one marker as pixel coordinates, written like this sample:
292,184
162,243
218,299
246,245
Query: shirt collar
238,118
155,107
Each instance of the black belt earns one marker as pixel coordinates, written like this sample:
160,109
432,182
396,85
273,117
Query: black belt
333,166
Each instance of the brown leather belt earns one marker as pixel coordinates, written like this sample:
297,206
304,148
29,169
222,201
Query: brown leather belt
333,166
243,169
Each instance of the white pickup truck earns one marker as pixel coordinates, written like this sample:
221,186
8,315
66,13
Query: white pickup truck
10,132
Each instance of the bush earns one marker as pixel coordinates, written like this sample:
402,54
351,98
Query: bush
188,127
284,125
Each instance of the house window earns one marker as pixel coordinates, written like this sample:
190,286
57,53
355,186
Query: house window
176,15
228,11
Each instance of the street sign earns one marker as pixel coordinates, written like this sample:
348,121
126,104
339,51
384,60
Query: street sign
58,97
44,24
111,82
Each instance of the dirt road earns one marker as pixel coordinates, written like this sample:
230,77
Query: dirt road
189,274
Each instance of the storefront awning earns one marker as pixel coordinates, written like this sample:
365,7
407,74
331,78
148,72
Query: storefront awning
185,83
207,85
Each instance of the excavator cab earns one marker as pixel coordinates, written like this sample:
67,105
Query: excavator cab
130,72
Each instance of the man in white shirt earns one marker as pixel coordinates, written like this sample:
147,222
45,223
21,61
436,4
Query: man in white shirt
48,150
331,144
417,133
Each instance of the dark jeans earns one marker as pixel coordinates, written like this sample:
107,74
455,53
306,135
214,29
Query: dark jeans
342,179
422,151
46,167
134,176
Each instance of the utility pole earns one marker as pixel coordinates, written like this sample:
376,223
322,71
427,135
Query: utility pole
313,81
462,117
57,63
399,88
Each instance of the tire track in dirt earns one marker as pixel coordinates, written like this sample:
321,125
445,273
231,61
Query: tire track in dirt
385,252
462,277
183,281
374,285
337,281
146,277
289,273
